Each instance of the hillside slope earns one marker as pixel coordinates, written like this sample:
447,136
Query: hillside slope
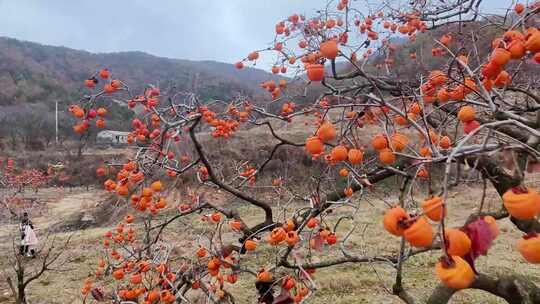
35,73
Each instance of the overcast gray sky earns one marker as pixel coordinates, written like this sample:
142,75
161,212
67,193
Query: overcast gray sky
222,30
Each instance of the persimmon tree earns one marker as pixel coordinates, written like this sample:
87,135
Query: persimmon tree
24,271
21,271
479,109
14,181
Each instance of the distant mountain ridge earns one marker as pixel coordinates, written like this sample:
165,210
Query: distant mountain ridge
36,73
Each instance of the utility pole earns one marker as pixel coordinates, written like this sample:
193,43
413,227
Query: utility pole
56,122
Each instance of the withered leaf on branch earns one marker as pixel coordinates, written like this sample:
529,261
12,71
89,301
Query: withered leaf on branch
98,295
481,239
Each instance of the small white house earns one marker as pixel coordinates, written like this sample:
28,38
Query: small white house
112,137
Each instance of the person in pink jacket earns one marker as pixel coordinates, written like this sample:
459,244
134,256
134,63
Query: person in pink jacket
29,240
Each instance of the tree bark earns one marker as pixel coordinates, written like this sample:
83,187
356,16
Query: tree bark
13,290
513,289
21,294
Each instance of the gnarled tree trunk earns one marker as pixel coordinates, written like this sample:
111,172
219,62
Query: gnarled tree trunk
514,289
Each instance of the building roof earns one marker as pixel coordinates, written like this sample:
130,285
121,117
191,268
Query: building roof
112,133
